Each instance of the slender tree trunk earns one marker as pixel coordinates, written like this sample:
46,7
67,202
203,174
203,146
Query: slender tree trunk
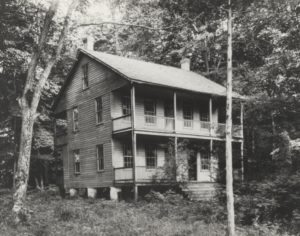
206,55
30,100
229,178
14,172
22,173
273,130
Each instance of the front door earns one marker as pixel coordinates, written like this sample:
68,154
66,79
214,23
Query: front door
203,167
192,167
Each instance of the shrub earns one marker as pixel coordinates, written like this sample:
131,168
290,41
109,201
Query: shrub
211,211
154,196
271,200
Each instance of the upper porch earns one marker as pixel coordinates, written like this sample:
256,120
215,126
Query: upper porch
153,109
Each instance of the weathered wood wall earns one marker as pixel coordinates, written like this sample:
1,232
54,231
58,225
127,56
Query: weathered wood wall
101,82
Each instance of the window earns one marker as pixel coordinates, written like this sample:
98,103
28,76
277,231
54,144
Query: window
100,157
188,115
205,161
151,156
127,154
75,119
85,78
150,111
126,106
169,114
76,155
204,113
99,110
169,111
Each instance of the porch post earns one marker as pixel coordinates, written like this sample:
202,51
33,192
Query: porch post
175,110
210,115
242,142
133,140
175,127
211,166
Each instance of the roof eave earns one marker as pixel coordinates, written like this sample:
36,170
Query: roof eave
82,51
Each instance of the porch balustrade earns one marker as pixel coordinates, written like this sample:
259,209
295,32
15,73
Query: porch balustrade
142,174
167,124
122,122
155,122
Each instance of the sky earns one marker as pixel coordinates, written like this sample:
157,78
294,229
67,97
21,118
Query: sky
97,9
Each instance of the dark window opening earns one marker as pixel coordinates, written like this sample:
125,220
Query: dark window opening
75,119
150,111
205,161
126,106
100,157
204,111
99,110
151,156
187,115
76,154
169,109
85,78
127,154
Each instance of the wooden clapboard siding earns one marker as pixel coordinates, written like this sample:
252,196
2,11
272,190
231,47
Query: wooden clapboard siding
101,82
117,155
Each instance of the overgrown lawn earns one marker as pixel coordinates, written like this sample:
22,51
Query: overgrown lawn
51,215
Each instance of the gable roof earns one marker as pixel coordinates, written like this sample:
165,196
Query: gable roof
151,73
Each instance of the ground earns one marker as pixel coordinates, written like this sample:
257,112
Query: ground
52,215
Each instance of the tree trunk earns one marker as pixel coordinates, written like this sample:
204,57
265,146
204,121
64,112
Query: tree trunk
22,173
30,100
229,178
273,130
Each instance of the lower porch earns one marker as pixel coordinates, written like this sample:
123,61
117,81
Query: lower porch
169,160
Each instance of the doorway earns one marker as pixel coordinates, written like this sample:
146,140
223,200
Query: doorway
199,167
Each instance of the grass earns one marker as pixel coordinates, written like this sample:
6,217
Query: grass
51,215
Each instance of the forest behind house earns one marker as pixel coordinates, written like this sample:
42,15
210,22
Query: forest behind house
266,71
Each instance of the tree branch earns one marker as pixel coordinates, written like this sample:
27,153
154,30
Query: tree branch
135,25
55,57
124,24
38,50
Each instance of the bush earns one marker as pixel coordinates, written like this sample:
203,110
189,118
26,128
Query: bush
154,196
211,211
274,200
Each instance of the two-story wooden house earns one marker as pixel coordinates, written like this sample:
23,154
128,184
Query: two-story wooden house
121,114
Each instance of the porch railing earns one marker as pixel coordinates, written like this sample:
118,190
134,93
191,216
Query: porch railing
155,122
220,129
205,125
122,122
142,174
123,174
161,123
